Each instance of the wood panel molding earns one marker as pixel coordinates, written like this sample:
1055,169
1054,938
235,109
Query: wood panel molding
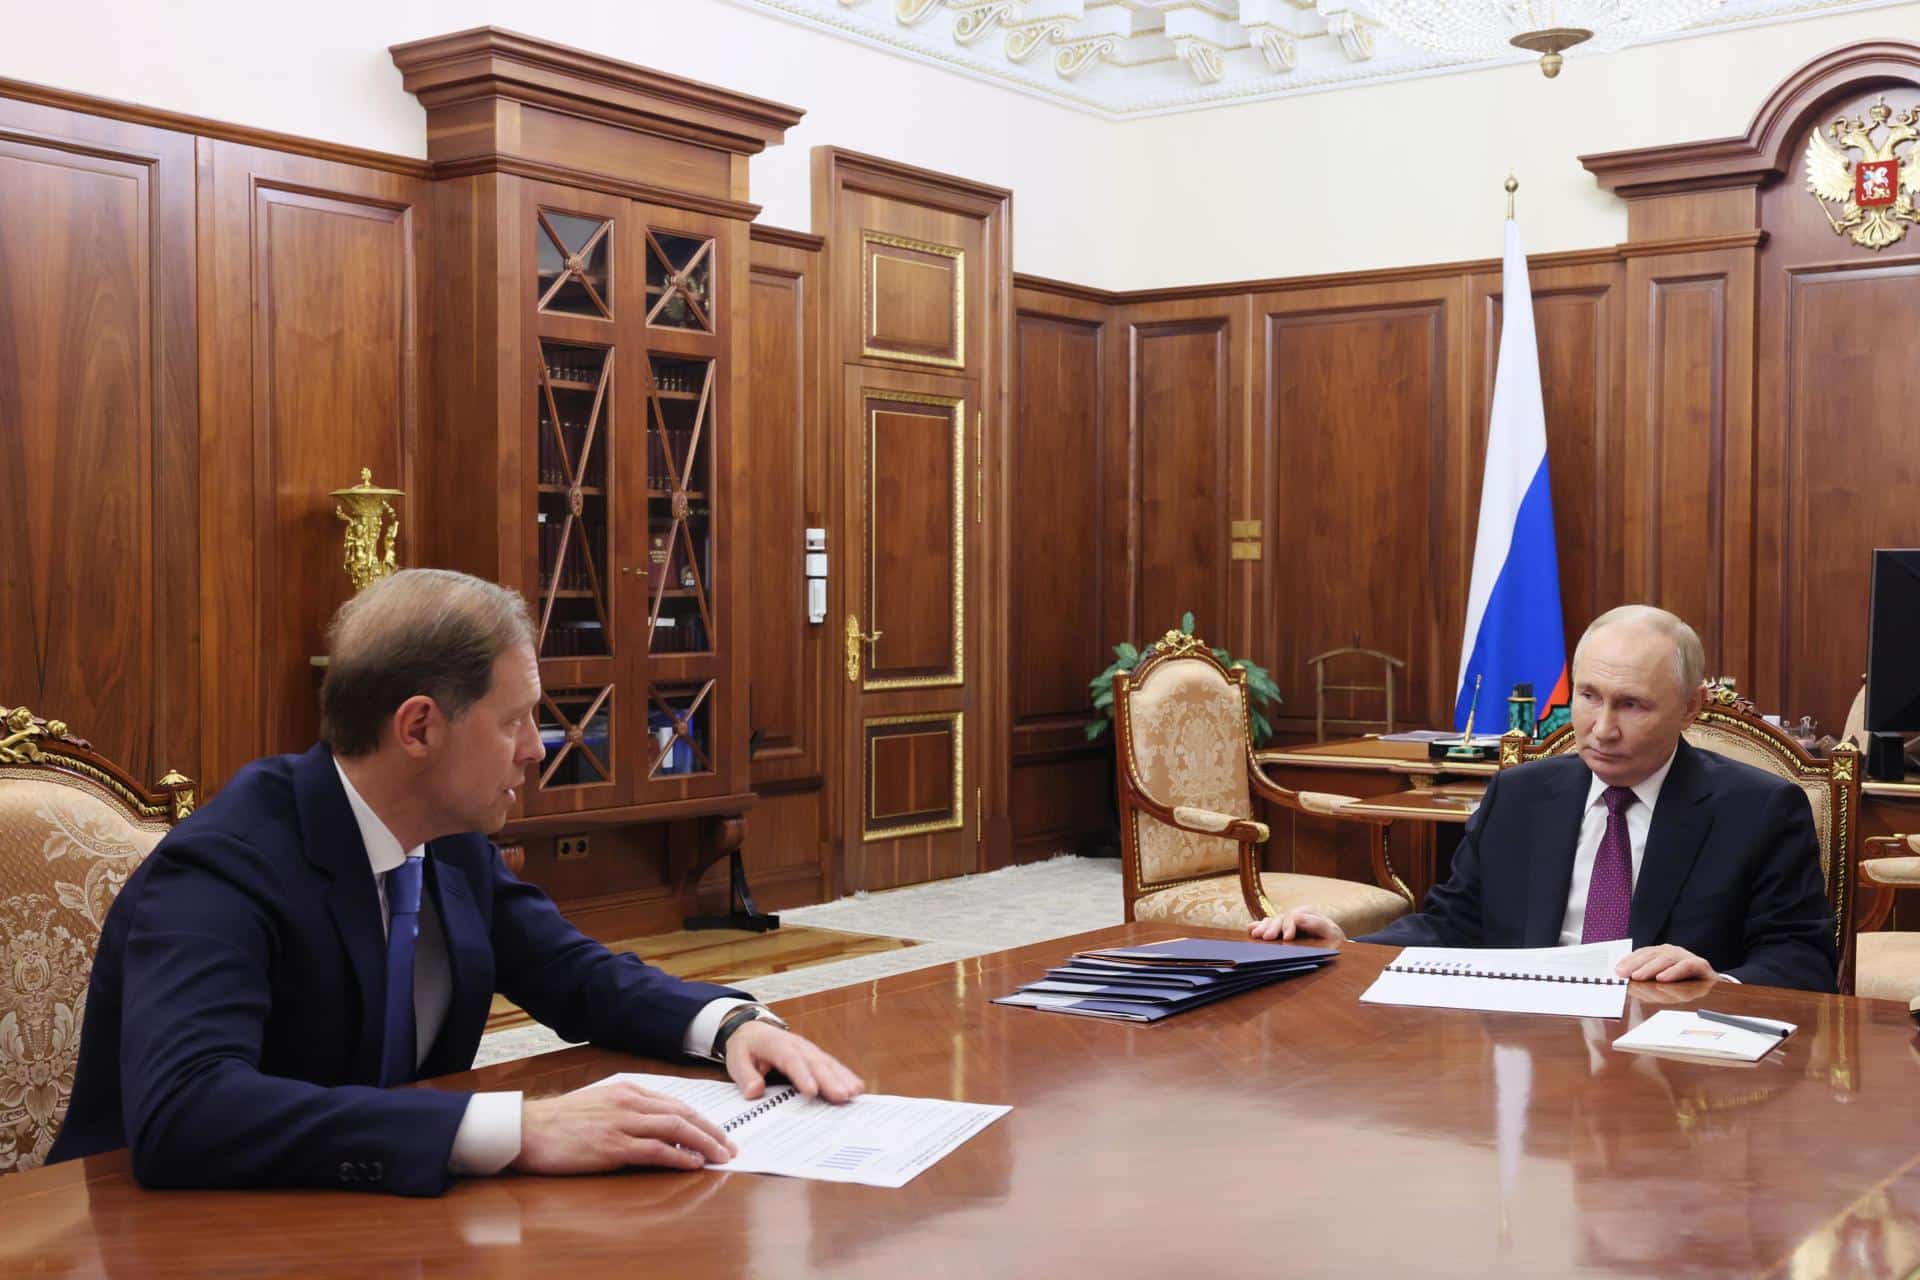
1765,149
491,65
836,168
593,180
200,126
1692,244
786,237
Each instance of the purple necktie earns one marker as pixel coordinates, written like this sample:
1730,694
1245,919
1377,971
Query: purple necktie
1610,892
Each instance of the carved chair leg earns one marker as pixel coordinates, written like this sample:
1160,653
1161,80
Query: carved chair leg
742,912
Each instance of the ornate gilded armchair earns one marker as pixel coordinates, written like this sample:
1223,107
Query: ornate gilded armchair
1729,725
73,826
1887,962
1187,775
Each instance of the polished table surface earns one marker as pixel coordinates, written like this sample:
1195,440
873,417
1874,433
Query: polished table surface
1290,1131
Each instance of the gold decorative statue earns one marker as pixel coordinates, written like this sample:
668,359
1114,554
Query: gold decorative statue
364,509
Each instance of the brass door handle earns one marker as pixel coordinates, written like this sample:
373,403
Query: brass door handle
856,638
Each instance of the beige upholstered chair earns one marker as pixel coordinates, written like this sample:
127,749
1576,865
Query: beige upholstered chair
72,829
1186,781
1886,962
1729,725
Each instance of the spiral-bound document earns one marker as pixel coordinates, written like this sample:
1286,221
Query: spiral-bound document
1573,982
877,1139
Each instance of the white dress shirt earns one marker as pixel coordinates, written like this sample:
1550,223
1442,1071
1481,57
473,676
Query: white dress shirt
1593,829
488,1139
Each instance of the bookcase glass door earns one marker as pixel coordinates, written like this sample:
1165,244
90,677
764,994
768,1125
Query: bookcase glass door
680,722
574,258
680,410
679,281
576,728
573,503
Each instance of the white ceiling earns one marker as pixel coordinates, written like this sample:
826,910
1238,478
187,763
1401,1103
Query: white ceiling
1129,58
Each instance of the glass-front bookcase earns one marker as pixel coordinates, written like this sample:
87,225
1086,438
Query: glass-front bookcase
627,427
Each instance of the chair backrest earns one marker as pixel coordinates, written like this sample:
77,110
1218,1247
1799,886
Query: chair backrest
1180,726
1729,724
73,827
1387,663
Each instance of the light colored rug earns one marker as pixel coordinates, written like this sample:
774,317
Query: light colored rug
951,919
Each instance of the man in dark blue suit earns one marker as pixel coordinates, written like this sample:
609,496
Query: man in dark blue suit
335,923
1710,865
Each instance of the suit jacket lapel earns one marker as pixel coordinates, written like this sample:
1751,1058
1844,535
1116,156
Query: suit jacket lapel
332,842
1555,831
467,968
1681,820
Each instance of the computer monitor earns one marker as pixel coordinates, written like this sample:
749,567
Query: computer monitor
1893,643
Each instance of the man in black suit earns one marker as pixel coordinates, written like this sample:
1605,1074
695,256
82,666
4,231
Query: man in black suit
1711,866
334,924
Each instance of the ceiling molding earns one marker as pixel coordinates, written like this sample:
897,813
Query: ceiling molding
1127,59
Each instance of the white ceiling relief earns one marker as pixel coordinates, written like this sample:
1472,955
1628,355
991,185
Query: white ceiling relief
1123,58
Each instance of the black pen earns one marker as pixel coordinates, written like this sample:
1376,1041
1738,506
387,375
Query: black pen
1745,1024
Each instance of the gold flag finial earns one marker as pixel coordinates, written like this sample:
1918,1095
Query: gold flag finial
1512,185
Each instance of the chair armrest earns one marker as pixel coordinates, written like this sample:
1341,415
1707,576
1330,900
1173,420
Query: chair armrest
1895,873
1901,870
1208,823
1325,803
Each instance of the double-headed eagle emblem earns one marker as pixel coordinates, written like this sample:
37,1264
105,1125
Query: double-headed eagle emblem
1875,192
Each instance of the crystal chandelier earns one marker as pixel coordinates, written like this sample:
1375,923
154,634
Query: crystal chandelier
1483,28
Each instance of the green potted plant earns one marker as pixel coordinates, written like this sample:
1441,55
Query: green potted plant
1262,692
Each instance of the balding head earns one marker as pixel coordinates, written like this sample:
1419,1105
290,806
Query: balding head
1689,655
1636,686
420,631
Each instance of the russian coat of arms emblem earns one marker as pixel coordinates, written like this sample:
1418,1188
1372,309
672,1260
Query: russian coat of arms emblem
1875,190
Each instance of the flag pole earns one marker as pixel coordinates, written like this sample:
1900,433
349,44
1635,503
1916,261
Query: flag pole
1512,185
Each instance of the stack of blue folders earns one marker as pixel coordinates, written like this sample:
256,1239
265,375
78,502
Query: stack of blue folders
1146,984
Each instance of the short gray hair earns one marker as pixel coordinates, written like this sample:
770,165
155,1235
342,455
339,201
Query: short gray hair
419,631
1689,655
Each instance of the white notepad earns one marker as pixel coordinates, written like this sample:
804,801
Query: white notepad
1573,982
876,1139
1677,1031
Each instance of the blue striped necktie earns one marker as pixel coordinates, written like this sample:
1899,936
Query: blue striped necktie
397,1051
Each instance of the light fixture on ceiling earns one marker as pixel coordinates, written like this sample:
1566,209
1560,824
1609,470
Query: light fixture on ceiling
1483,28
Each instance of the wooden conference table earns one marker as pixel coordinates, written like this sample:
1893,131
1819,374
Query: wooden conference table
1291,1131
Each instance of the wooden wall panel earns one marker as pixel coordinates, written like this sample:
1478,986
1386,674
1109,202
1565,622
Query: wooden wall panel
1359,398
1183,381
1068,567
1853,470
311,279
1686,456
1837,453
97,465
791,668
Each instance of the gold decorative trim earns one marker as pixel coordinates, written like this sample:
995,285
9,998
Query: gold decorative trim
869,292
957,410
28,741
1178,644
956,723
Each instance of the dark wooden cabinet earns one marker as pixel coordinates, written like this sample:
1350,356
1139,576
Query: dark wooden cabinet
588,447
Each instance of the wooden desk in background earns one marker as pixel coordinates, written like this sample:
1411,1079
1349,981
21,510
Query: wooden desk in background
1394,779
1398,780
1291,1130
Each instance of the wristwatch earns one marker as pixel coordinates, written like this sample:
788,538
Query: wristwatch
738,1018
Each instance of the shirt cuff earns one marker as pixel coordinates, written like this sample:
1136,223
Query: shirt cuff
706,1025
488,1139
1727,977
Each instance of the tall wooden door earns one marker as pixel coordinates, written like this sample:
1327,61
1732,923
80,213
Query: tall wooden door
911,586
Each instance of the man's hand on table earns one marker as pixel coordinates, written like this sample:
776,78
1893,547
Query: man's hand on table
1302,923
760,1047
613,1126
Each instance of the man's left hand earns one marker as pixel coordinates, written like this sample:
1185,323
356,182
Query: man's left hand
1664,963
760,1047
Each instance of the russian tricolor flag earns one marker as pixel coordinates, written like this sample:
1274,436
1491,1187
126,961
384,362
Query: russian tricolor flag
1514,632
